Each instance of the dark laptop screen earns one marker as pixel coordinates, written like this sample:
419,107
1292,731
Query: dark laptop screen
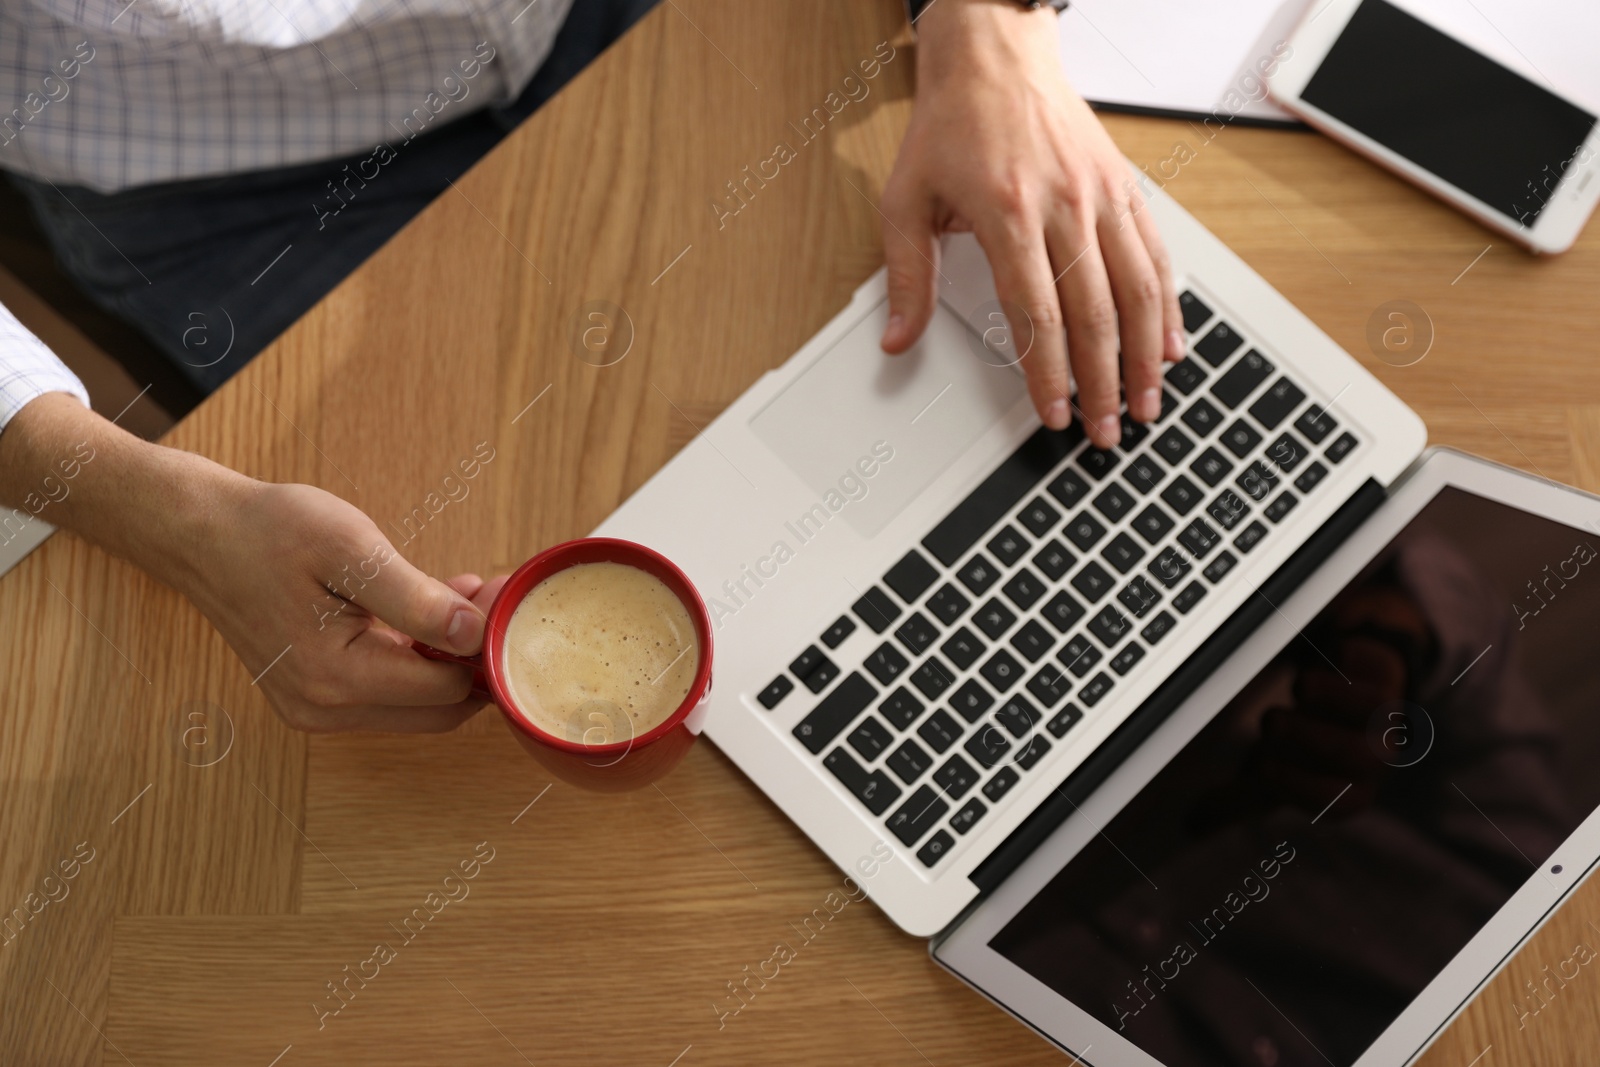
1280,892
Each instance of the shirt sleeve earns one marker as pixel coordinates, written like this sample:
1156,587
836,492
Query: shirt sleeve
28,369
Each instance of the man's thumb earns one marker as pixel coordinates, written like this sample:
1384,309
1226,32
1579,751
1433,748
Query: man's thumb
910,248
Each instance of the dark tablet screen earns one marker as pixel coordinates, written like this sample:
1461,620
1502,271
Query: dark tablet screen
1283,888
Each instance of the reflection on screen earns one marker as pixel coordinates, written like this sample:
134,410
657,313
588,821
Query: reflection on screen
1452,111
1282,889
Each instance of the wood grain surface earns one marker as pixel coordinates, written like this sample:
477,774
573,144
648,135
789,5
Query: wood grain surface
240,870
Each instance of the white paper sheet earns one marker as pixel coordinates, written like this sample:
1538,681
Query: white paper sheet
1187,55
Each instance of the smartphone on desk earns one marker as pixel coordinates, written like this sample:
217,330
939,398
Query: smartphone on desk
1501,145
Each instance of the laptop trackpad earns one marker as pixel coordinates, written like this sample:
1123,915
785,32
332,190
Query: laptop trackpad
854,405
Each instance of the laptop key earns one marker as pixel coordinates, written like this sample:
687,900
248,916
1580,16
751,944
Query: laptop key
1001,783
1216,346
1062,611
823,676
933,678
1144,474
1277,403
1218,568
1008,545
1257,480
908,762
887,664
1055,560
917,633
806,662
1311,477
1242,378
1139,596
1251,537
842,628
1241,438
978,574
1064,720
1115,502
988,746
1032,751
911,577
1038,516
1079,656
1002,670
956,777
873,788
1280,507
1097,688
1109,625
1092,581
1286,453
963,648
970,813
1195,312
1152,524
1211,467
1133,432
1024,589
1316,423
1003,490
1084,531
939,731
870,738
901,708
1182,495
1017,716
1169,567
917,815
934,850
971,700
1185,376
1169,404
1341,448
1202,417
1032,641
948,604
1158,627
1131,653
1068,487
1123,553
1191,595
912,819
770,696
836,711
1173,445
1199,538
994,618
1097,463
1049,685
1228,509
876,610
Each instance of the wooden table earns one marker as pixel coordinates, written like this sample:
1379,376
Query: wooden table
230,885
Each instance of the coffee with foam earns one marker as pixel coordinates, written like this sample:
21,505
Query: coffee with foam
599,653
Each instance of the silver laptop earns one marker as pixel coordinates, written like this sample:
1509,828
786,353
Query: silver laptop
1236,744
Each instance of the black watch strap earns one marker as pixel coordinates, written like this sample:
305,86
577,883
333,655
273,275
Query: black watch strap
915,8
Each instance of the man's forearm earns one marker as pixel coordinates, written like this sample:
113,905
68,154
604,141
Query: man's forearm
63,464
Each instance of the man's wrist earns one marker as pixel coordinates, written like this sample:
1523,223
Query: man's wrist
152,505
915,9
956,36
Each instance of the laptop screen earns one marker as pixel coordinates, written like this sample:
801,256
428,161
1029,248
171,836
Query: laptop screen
1285,887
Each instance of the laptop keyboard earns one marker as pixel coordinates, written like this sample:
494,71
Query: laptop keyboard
1024,607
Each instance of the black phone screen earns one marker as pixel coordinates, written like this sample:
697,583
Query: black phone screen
1453,111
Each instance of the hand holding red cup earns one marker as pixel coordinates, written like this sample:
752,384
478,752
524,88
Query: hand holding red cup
602,753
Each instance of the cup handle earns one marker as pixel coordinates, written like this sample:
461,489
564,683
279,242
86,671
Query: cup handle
480,682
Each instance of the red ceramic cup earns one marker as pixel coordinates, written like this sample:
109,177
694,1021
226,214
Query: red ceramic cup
623,764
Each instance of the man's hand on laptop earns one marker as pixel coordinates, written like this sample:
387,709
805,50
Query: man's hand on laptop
1000,144
306,589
